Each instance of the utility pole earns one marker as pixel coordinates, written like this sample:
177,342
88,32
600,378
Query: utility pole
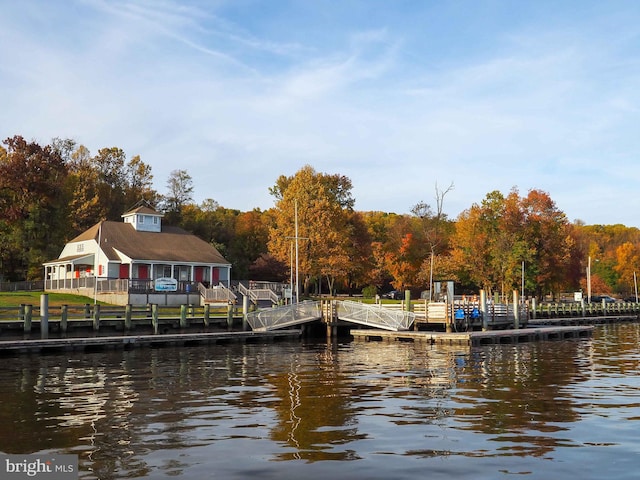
296,238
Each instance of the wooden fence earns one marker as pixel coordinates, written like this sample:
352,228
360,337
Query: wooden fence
28,318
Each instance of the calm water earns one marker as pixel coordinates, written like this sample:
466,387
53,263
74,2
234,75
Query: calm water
553,410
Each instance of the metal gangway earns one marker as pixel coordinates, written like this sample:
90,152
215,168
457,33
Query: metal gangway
374,315
284,316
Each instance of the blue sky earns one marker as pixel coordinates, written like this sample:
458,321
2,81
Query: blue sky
397,95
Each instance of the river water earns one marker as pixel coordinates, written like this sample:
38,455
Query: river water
346,410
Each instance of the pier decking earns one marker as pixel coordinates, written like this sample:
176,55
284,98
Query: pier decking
9,347
490,337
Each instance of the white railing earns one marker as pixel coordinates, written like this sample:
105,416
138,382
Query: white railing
374,315
281,317
119,285
257,294
218,293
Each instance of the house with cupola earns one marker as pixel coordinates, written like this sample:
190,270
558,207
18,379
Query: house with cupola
138,260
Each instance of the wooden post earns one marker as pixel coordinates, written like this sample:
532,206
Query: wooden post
96,317
245,312
207,308
23,317
516,310
230,316
330,317
483,309
44,315
28,316
127,317
154,317
183,316
87,310
64,317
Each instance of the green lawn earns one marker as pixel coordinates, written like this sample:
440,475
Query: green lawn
15,299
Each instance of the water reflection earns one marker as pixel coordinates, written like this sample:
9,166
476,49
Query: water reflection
242,408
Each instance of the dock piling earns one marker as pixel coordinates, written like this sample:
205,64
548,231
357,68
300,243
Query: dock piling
154,318
205,315
44,316
183,316
127,317
96,317
27,312
64,318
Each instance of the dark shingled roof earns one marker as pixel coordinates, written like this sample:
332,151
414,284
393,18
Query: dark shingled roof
173,244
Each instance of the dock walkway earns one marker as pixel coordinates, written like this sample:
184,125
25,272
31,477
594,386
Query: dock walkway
490,337
10,347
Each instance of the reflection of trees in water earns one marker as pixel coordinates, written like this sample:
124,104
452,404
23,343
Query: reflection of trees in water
313,418
330,393
516,394
114,408
132,413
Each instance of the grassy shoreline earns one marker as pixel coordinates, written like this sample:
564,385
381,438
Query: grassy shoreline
15,299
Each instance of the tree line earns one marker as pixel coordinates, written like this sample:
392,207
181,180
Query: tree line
50,194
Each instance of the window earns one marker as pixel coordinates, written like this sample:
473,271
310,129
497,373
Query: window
80,248
155,220
140,218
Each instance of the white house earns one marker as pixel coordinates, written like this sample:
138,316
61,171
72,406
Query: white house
130,256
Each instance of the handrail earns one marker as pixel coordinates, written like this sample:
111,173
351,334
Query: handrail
284,316
218,293
373,315
257,294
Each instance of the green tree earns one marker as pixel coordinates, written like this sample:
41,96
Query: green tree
179,194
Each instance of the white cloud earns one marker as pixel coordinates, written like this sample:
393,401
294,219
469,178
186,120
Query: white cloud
187,86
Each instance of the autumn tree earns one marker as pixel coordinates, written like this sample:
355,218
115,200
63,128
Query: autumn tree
33,203
627,266
104,186
319,204
404,252
434,231
139,183
493,239
360,252
379,227
248,249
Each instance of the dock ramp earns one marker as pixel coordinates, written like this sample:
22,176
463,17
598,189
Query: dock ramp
374,315
284,316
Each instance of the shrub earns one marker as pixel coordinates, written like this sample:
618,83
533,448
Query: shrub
369,291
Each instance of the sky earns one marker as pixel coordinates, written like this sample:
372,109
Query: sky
404,97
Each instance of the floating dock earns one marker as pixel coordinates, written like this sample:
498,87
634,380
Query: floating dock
490,337
12,347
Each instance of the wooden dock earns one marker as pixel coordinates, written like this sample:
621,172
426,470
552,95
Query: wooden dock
12,347
491,337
